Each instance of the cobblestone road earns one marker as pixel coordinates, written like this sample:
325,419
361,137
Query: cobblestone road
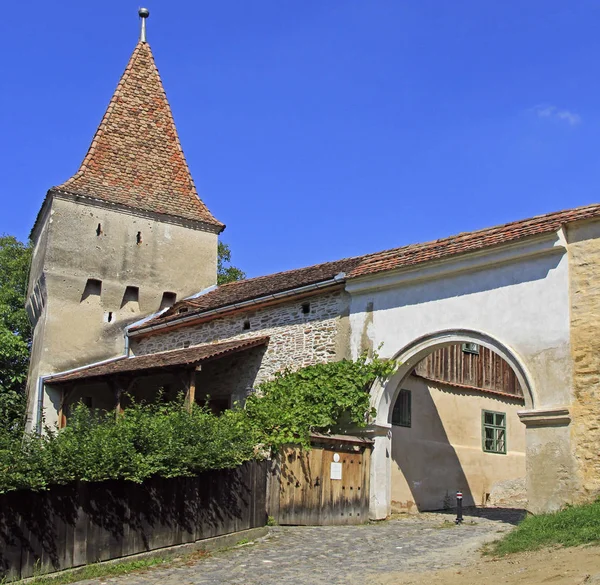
331,555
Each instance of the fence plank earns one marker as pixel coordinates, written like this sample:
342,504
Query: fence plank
69,526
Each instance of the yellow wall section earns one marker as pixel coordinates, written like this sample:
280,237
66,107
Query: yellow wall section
442,450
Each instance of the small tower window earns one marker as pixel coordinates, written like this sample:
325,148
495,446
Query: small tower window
108,317
246,325
138,238
305,308
93,287
132,295
99,230
168,300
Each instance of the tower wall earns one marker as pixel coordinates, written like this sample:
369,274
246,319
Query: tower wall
97,269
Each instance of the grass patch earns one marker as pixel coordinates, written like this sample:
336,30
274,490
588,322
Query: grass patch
572,526
101,570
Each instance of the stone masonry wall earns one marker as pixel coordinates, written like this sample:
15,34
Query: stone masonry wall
296,339
584,262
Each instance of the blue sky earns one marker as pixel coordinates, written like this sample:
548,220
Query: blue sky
320,129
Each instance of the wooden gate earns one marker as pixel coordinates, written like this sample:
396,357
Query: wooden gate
327,485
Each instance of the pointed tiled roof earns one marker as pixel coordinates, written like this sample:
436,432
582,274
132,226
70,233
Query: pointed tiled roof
135,158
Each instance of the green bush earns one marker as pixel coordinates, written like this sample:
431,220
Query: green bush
170,440
315,398
165,440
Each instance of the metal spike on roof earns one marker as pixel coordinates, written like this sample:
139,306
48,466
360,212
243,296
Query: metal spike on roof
144,14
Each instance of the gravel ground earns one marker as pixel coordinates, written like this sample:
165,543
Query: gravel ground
349,555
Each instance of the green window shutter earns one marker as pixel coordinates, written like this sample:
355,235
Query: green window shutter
493,431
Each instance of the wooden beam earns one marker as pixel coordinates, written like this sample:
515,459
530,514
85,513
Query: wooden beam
61,416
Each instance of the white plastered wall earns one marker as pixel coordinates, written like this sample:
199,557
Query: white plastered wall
514,300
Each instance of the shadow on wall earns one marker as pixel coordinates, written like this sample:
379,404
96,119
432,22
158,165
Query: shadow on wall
429,463
230,377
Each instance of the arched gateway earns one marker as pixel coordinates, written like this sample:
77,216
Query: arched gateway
383,398
527,303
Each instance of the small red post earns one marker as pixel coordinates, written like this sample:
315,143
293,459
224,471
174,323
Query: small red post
459,514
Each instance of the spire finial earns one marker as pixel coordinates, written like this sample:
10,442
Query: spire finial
144,14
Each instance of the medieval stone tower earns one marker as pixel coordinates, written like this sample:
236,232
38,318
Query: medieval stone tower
125,236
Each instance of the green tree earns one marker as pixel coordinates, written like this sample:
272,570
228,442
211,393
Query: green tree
15,330
225,272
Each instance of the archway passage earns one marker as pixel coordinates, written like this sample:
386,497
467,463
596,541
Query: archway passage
420,466
455,427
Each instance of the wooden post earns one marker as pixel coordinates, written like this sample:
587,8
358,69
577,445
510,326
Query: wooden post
61,416
116,385
64,395
190,395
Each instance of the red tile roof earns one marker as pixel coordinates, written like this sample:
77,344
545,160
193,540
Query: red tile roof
166,359
470,241
135,158
261,286
397,258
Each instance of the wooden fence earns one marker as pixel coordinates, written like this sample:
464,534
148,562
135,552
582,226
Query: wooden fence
328,485
83,523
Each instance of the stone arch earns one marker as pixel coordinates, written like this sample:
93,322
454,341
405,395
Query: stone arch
384,395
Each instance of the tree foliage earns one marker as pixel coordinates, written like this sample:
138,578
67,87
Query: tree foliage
15,331
225,272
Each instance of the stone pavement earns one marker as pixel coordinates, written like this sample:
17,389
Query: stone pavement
332,555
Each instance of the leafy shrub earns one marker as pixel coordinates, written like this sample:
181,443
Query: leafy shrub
166,440
170,440
315,398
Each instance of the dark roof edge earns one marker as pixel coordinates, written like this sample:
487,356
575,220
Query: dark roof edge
79,373
469,388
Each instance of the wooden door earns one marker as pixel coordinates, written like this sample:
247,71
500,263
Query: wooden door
310,492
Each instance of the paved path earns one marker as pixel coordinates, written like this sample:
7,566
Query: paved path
332,555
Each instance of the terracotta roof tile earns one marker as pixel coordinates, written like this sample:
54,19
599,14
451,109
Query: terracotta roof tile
394,259
165,359
135,158
261,286
470,241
